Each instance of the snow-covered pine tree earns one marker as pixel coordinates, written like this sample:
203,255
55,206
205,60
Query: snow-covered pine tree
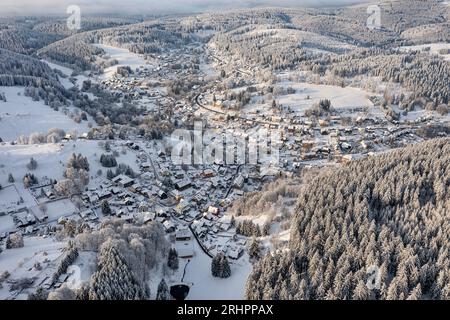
114,279
215,266
163,291
172,260
220,266
106,210
226,270
254,249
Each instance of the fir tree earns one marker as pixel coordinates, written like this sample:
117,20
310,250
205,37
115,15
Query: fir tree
163,291
106,210
172,260
114,279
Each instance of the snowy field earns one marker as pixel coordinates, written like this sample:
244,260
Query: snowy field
83,268
8,196
52,159
307,95
434,48
341,98
56,209
207,287
7,224
124,58
20,115
68,72
20,262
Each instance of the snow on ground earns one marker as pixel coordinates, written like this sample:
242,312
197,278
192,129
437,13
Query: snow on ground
341,98
57,209
68,72
307,95
206,287
434,48
124,58
6,224
65,70
20,115
8,196
52,159
19,262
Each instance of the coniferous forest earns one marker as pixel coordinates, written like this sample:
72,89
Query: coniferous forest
385,216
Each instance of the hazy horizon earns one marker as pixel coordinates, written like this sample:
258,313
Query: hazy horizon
58,7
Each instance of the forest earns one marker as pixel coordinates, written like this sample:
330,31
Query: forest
388,213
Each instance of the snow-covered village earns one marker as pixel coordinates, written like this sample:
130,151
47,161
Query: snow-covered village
201,156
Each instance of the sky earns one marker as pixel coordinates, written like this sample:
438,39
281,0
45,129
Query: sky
59,7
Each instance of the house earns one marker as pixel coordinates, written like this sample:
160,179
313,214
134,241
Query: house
183,185
40,215
178,175
308,144
209,216
161,194
239,182
213,210
160,212
208,173
123,181
347,158
103,194
168,226
24,219
49,193
183,234
235,252
127,217
161,153
182,208
127,201
346,146
148,217
147,176
92,198
86,213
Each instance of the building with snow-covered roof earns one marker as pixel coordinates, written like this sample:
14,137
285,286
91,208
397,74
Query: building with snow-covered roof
183,234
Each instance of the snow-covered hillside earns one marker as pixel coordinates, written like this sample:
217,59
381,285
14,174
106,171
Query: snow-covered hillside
20,115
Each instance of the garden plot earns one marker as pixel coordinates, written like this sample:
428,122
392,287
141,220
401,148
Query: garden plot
8,196
55,209
13,196
6,224
20,115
